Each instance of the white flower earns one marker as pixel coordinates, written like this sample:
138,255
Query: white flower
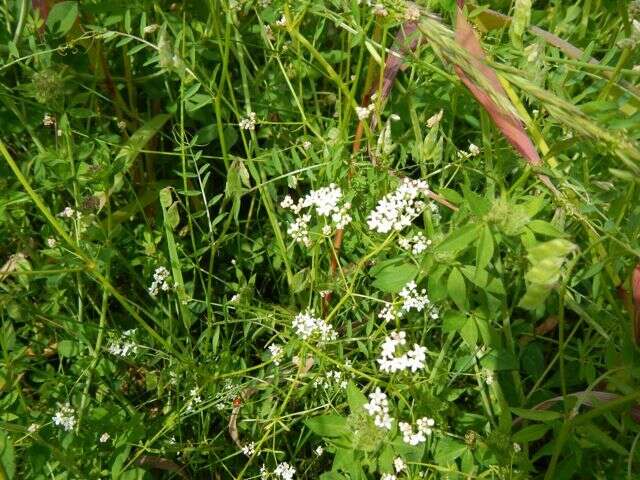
319,450
333,378
378,408
423,430
326,230
415,244
248,122
412,12
48,120
33,428
397,210
474,150
380,10
194,400
389,312
51,242
249,449
365,112
399,465
149,29
284,471
235,298
388,476
124,345
412,298
434,119
122,124
65,417
69,212
276,352
287,202
159,281
307,326
268,32
282,22
488,376
306,144
104,438
517,448
413,359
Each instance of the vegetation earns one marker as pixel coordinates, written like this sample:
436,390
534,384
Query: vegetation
329,239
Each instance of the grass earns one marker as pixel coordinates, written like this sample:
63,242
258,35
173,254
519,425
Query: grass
168,312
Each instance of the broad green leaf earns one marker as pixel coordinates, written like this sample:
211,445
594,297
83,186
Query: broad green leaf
539,415
7,457
392,278
62,17
458,239
329,426
484,249
457,289
355,398
544,228
531,433
469,332
448,449
68,348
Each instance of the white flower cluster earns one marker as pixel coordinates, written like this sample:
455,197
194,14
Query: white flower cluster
249,449
284,471
388,476
399,465
416,244
423,430
326,202
125,345
474,151
378,408
307,326
48,120
69,212
51,242
413,359
65,417
159,281
365,112
194,400
104,438
276,353
397,210
248,122
331,378
412,12
412,298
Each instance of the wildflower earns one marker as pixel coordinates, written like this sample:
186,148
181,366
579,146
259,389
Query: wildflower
389,312
51,242
412,298
122,124
474,150
413,359
415,244
388,476
319,450
396,211
248,122
33,428
332,378
282,22
488,376
149,29
194,400
65,417
380,10
125,345
249,449
69,212
104,438
284,471
412,12
423,430
378,408
306,144
365,112
434,119
235,298
399,465
276,352
268,33
159,281
48,120
307,326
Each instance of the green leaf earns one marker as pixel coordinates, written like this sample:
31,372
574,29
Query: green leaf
68,348
7,457
469,332
447,450
531,433
173,215
458,239
328,426
355,398
453,321
62,17
392,278
539,415
457,289
484,249
544,228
